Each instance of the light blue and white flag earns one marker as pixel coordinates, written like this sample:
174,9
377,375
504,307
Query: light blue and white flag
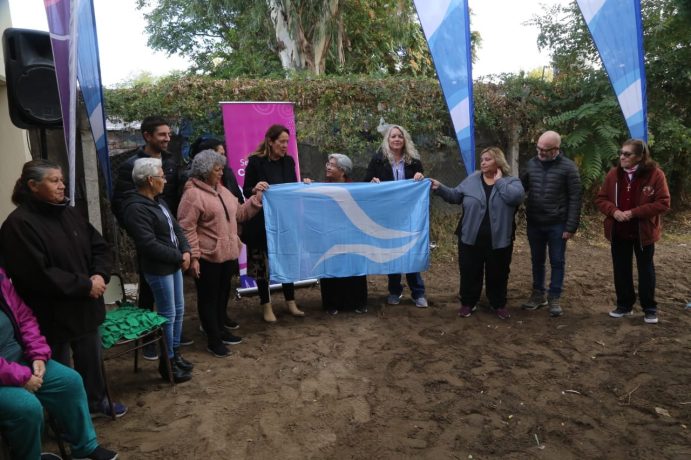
447,28
326,230
617,31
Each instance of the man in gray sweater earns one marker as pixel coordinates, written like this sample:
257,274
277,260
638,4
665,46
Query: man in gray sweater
553,207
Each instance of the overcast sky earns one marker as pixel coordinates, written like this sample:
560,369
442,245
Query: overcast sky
507,44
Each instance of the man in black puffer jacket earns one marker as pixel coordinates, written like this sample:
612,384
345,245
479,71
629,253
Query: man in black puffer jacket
553,207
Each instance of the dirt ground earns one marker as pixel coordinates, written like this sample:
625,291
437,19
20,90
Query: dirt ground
401,382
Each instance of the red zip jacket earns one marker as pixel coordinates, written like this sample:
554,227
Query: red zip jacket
650,200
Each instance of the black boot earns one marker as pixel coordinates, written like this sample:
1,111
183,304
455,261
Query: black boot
181,362
179,375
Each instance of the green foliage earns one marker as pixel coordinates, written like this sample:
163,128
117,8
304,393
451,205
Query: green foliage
583,98
335,113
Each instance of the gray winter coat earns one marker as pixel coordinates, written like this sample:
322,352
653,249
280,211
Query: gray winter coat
506,195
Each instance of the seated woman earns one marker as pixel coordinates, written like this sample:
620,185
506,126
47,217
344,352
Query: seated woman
164,254
350,291
30,381
209,215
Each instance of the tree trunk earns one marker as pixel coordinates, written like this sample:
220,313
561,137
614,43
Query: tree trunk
289,50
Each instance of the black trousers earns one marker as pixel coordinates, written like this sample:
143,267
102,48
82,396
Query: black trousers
622,262
478,261
85,353
213,292
145,297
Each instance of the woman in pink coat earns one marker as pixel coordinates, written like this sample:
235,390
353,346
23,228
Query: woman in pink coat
30,381
209,216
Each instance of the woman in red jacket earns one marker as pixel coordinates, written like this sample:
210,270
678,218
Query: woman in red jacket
30,381
633,199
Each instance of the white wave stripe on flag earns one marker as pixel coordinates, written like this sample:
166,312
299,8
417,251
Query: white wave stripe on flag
460,114
373,253
96,121
355,213
631,99
590,8
432,17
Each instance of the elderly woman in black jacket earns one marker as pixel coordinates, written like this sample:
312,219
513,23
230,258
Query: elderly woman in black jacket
60,265
164,254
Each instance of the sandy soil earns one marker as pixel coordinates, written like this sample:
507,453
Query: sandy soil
400,382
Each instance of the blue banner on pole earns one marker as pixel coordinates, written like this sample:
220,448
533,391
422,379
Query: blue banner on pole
447,28
617,31
325,230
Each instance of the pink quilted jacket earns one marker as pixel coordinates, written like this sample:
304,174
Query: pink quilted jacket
33,343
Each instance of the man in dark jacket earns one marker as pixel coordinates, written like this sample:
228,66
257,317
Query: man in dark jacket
553,207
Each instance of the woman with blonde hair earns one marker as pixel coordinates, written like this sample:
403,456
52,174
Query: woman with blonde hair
398,159
486,230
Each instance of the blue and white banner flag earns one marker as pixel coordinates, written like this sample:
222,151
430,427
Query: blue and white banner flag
447,28
617,31
326,230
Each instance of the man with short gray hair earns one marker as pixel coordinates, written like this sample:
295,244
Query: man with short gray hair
553,208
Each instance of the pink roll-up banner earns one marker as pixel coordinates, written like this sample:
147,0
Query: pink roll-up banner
245,124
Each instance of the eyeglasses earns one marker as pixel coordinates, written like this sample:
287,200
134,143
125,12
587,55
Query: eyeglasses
332,165
626,154
551,149
160,177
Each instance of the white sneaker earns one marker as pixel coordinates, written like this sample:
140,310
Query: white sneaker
421,302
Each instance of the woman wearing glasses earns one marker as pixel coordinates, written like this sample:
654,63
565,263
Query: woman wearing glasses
164,254
633,199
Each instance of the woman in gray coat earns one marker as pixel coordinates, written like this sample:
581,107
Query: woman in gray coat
486,230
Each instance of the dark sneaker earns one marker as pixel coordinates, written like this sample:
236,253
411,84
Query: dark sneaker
394,299
150,352
230,339
466,311
554,307
185,341
650,317
99,453
503,313
361,310
620,312
332,311
536,300
230,324
219,351
104,410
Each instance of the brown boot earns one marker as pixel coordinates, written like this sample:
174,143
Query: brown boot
293,308
269,316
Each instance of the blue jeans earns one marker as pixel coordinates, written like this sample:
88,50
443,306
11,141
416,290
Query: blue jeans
415,283
170,303
540,238
63,395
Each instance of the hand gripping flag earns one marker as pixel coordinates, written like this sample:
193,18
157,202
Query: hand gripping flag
325,230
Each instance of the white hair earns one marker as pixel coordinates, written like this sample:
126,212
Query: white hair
343,162
145,168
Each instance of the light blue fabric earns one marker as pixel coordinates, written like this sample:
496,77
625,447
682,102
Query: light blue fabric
325,230
617,31
447,29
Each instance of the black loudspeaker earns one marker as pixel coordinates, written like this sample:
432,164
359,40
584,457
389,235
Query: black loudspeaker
32,88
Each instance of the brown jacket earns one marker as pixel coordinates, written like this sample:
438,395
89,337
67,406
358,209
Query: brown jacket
651,200
209,217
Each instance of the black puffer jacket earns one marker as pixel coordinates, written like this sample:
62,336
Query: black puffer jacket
380,167
124,183
148,227
50,252
553,190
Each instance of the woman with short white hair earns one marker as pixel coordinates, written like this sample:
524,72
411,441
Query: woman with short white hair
164,254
